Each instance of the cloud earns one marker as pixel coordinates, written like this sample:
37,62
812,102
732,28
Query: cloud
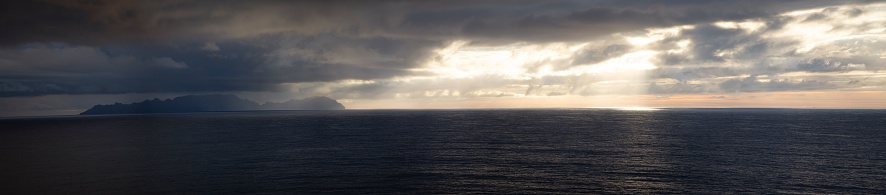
48,59
753,84
828,65
830,48
105,22
592,55
694,73
363,52
209,46
681,87
256,65
168,62
541,47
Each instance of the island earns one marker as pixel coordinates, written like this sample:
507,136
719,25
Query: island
212,103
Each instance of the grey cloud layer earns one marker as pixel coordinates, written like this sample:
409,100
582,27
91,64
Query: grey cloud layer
99,47
109,22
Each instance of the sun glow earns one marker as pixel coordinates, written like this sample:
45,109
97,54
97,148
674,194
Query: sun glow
513,61
527,61
629,63
544,70
581,70
591,74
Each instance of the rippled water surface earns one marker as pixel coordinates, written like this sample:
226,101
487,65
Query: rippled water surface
558,151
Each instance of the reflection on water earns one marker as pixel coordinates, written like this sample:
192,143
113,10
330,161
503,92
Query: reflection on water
559,151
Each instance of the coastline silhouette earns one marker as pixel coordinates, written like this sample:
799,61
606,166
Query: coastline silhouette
209,103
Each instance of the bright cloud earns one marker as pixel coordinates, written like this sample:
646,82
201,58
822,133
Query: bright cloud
467,54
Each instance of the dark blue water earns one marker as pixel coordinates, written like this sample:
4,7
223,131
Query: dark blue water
449,151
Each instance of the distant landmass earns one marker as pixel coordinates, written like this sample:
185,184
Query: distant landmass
208,103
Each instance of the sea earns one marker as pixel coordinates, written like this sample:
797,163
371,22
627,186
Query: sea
476,151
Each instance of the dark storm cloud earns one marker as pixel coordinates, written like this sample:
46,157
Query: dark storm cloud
545,21
109,22
591,23
77,22
469,87
98,47
44,69
379,52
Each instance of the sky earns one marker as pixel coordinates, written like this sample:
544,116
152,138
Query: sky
61,57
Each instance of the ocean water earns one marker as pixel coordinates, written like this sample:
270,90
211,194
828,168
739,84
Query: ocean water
521,151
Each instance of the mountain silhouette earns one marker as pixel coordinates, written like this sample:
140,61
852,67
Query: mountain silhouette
209,103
